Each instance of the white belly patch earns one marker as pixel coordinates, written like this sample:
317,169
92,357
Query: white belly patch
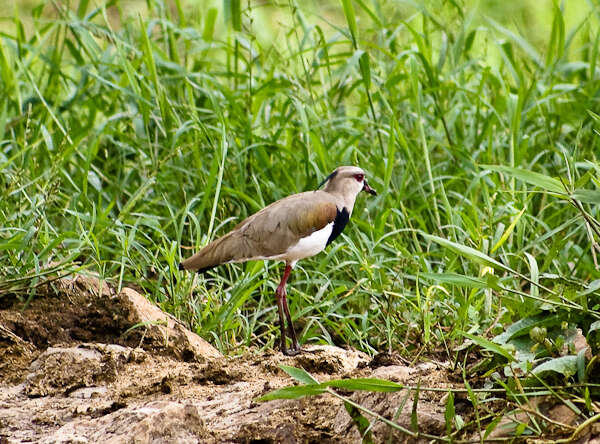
308,246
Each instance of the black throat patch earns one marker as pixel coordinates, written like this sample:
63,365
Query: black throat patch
341,219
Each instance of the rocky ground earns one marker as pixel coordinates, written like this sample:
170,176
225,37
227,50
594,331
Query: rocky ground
73,370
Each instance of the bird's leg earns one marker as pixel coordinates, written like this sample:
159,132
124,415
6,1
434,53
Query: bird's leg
295,346
282,337
282,305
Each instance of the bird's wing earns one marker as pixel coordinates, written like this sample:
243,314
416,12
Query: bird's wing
270,232
276,228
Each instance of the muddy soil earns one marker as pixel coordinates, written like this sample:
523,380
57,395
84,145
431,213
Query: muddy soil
73,371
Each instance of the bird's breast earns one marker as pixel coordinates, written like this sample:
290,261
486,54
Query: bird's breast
310,245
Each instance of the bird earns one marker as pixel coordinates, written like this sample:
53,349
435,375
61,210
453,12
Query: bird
290,229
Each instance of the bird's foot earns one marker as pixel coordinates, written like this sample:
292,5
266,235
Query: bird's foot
292,351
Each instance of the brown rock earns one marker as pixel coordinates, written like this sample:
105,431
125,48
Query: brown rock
580,343
158,421
62,370
15,355
329,359
164,330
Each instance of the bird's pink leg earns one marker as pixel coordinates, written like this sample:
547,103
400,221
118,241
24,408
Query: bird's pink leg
282,305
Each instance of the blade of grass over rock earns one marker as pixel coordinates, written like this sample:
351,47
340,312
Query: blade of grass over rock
449,413
414,418
370,384
299,374
361,423
294,392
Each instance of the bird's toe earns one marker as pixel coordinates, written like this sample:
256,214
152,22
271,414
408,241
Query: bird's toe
292,351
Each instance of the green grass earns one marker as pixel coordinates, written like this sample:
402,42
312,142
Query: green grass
128,142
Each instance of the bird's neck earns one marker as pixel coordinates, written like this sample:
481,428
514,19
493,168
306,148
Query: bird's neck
344,200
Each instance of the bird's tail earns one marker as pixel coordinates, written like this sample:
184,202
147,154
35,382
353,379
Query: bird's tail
219,251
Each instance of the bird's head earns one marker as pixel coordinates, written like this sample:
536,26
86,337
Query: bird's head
348,181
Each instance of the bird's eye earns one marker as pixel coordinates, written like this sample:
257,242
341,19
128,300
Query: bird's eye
359,177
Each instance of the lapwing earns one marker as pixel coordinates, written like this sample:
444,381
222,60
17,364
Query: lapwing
290,229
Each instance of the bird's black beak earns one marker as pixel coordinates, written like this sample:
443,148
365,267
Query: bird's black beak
368,189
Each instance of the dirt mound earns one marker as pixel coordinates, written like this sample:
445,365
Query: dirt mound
73,370
87,310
